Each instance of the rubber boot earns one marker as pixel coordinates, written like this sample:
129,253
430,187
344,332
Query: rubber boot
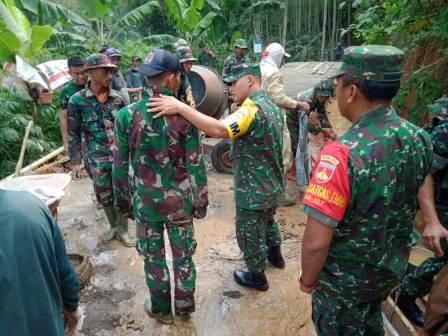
122,231
256,281
111,233
275,256
162,318
410,309
289,196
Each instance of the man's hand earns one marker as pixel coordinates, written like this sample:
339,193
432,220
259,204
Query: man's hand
164,105
329,133
76,172
234,107
432,235
307,288
71,319
303,106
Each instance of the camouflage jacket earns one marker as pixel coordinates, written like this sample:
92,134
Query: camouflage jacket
438,131
184,94
69,90
92,121
205,58
134,78
365,186
170,181
233,60
256,129
309,97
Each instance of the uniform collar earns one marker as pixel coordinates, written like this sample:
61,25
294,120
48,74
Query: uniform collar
157,89
256,94
375,116
89,93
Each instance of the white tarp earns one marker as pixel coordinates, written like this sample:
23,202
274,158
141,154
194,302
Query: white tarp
48,187
56,73
48,75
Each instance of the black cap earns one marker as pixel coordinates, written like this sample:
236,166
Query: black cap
136,58
158,62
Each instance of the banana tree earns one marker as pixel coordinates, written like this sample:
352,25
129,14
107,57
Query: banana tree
18,35
189,18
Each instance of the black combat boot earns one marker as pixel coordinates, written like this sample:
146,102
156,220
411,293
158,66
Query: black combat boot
275,256
410,309
256,281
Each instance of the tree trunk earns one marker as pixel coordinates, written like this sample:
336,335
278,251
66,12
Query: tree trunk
299,6
349,37
324,26
333,34
309,17
285,24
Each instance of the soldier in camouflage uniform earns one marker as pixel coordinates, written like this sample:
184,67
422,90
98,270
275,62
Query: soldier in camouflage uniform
419,282
169,188
78,82
362,198
186,59
299,127
91,116
256,130
206,57
238,57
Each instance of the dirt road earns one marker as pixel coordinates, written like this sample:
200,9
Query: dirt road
112,304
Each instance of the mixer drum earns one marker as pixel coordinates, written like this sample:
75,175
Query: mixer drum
210,94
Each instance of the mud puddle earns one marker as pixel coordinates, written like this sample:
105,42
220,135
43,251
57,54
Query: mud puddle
112,304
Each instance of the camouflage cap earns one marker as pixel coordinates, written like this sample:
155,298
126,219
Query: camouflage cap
324,88
439,108
98,61
241,43
241,70
184,54
373,62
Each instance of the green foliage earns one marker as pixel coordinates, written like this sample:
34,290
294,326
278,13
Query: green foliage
18,35
420,28
14,117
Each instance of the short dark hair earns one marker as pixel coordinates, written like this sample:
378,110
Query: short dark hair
75,61
373,90
158,79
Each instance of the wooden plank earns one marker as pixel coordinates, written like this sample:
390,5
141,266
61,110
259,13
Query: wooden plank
301,66
324,68
316,68
397,319
37,163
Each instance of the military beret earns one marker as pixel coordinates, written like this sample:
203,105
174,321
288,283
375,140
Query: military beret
241,70
184,54
440,107
98,61
241,43
324,88
372,62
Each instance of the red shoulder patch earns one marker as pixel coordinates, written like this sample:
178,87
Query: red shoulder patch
329,188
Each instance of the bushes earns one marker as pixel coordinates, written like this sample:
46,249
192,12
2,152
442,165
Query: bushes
15,113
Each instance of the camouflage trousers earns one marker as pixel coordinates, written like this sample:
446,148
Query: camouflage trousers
101,175
419,283
256,230
292,121
334,317
151,245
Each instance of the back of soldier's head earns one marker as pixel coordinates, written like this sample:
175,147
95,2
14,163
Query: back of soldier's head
374,69
161,67
75,62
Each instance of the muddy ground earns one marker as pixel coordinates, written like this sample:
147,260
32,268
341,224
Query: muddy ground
112,304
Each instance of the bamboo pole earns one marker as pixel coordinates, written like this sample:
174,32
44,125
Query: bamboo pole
22,151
